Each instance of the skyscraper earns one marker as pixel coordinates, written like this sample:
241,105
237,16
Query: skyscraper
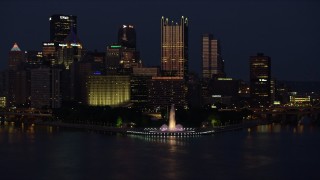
17,92
45,88
113,58
16,57
60,27
174,47
127,36
70,51
212,62
260,80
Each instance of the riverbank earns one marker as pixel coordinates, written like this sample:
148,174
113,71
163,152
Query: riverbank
143,131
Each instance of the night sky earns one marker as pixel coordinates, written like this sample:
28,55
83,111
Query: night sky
287,31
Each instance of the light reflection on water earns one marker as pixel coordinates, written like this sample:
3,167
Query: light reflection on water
269,151
18,132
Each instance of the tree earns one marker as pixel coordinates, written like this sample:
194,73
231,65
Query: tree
119,122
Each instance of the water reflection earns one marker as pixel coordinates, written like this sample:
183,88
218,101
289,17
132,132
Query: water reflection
278,128
171,140
13,132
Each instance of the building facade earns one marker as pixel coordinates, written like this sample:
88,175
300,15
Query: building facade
16,58
107,90
174,47
165,91
45,88
139,86
212,62
61,26
260,80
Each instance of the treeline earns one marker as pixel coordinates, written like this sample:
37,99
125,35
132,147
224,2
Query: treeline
210,117
127,117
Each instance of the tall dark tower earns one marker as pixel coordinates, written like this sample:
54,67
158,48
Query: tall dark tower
60,27
260,80
127,36
174,47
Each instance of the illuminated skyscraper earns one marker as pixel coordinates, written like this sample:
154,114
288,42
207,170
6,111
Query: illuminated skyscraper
174,47
212,62
60,27
70,51
127,36
16,58
17,92
260,80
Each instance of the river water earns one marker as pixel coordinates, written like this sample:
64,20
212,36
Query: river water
263,152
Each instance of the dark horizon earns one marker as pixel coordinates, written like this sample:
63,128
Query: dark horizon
286,31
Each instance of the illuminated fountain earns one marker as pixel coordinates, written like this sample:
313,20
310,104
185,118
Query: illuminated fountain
172,122
172,130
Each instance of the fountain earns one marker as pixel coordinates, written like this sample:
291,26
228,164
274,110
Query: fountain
172,122
172,129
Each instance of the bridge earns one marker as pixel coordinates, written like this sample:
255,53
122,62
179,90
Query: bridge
287,113
25,113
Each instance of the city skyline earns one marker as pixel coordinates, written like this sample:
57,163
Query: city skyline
286,31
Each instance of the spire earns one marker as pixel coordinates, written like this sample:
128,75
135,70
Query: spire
15,47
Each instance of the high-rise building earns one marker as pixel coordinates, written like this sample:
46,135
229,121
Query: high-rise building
113,58
16,58
17,88
33,58
165,91
139,86
45,88
16,78
260,80
174,47
70,50
127,36
49,52
212,62
61,26
121,60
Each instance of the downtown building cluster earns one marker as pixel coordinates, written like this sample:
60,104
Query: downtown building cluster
63,71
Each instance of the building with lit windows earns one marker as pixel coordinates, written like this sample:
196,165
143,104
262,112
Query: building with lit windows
299,101
49,52
139,86
260,80
121,60
113,58
212,62
61,26
110,90
3,102
174,47
33,58
165,91
70,50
